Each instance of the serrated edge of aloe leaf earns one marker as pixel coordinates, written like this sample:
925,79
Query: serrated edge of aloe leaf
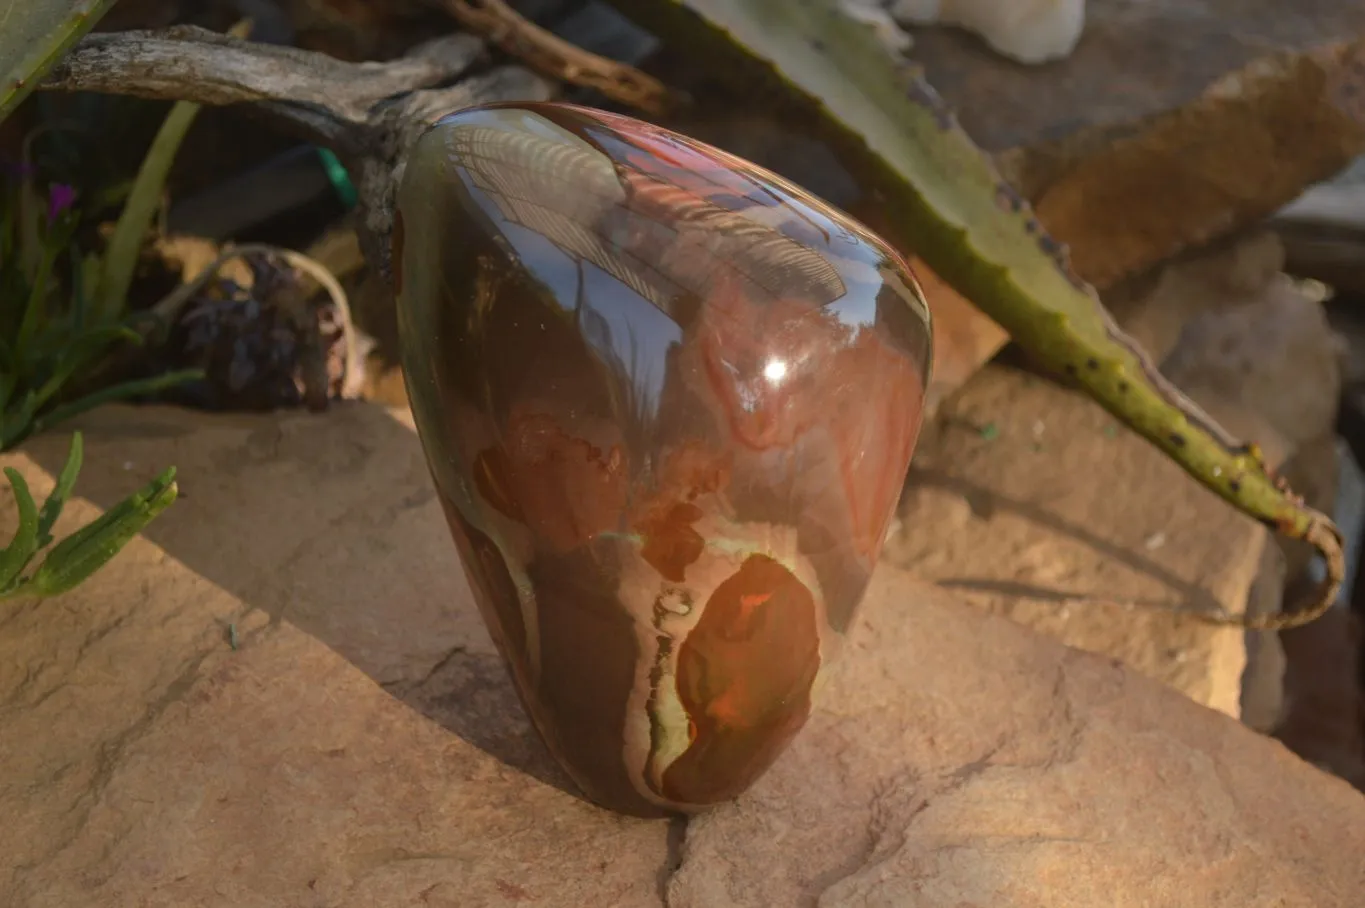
45,54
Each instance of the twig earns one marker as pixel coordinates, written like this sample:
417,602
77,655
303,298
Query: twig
327,98
368,113
552,56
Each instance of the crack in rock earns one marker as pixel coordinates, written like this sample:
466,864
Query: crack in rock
109,758
674,856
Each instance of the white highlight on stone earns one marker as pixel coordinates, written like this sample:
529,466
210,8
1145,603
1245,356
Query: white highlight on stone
775,371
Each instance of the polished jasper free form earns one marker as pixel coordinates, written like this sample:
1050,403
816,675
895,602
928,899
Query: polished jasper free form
668,400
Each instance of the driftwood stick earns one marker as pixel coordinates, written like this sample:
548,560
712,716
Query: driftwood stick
324,96
369,113
550,55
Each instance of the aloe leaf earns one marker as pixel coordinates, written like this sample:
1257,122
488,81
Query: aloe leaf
15,556
34,34
66,480
979,235
77,557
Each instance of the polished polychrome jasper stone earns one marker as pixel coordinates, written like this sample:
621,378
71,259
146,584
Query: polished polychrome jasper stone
668,400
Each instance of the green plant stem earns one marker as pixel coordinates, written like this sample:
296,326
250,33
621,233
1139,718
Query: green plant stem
66,480
15,556
37,296
125,246
115,393
78,353
11,437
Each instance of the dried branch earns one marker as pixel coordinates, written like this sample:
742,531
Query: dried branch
552,56
328,98
369,113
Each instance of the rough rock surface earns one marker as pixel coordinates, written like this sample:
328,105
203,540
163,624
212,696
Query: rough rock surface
363,746
1324,716
1033,502
1171,123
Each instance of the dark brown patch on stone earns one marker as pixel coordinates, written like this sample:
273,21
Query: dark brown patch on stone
671,543
493,479
744,676
568,488
492,585
588,654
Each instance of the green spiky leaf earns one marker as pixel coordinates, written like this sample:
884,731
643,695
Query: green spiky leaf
34,34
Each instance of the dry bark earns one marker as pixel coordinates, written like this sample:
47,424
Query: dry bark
368,113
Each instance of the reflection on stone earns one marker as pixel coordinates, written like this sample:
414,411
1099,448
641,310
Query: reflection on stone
674,397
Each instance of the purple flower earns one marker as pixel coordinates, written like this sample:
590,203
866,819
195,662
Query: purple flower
60,196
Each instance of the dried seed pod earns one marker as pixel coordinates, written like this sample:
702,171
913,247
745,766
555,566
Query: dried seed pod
668,400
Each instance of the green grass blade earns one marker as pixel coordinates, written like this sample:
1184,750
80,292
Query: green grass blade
115,393
34,310
15,556
66,481
18,422
120,259
79,353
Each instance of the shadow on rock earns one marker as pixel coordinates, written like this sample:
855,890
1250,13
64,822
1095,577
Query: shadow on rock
328,523
986,502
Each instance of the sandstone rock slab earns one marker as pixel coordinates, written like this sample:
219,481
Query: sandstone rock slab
961,762
362,746
1171,123
1033,503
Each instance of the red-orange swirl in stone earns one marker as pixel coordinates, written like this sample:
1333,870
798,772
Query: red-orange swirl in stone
668,400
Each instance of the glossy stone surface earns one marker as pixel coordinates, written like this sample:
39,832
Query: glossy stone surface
668,400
